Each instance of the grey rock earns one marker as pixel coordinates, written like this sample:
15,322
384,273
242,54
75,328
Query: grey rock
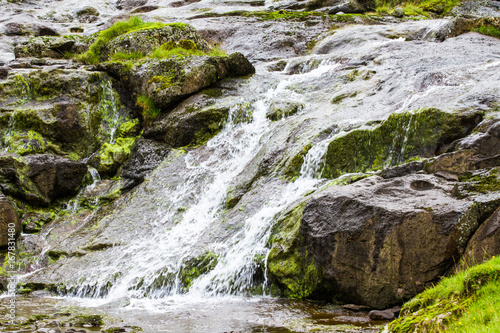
9,222
145,155
381,315
378,242
398,12
4,72
55,176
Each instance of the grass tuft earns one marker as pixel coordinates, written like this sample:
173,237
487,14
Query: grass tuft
488,30
466,302
150,111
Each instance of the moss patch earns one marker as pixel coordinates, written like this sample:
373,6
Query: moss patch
401,137
150,111
489,30
291,267
112,156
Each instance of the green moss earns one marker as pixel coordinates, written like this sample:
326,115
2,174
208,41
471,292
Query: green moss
284,15
291,267
489,30
466,302
111,156
292,170
129,128
150,111
213,92
92,320
401,137
119,28
481,183
181,48
30,142
193,268
126,56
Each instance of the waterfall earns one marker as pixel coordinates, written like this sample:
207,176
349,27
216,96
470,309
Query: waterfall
155,263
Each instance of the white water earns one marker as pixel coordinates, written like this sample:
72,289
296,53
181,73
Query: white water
150,265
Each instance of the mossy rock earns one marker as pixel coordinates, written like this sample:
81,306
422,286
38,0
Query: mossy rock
193,268
92,320
289,264
52,47
145,40
282,109
111,156
403,136
44,111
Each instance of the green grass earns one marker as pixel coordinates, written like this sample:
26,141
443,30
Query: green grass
126,56
426,8
182,48
150,111
488,30
117,29
466,302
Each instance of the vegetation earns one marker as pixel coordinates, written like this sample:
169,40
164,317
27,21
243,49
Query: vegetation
489,30
181,48
466,302
149,110
426,8
117,29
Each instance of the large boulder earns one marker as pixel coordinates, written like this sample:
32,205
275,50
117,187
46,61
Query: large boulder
9,221
165,81
376,242
485,242
146,40
55,176
145,155
403,136
43,111
40,179
188,125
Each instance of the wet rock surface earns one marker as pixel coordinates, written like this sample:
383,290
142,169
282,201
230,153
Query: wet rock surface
220,154
10,225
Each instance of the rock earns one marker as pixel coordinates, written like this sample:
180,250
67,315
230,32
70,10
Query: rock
111,156
381,315
89,320
129,4
376,242
281,109
145,155
4,72
48,109
402,170
329,6
168,80
277,66
145,9
148,39
398,12
87,14
15,29
55,176
430,128
52,47
40,179
188,126
9,222
485,242
357,308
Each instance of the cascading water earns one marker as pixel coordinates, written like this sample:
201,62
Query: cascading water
154,264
